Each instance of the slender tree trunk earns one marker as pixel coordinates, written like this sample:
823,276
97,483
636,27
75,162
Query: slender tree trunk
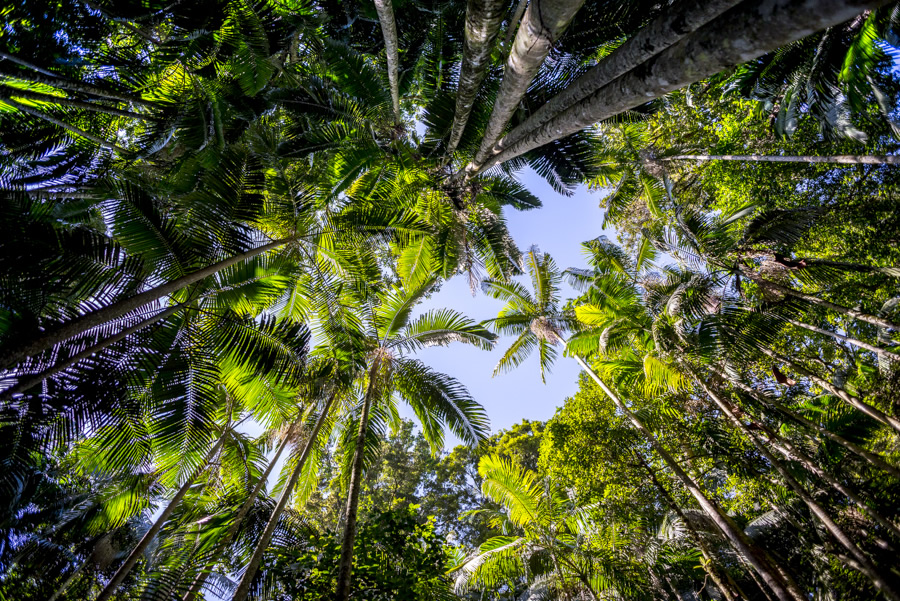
815,300
544,22
675,23
863,345
99,108
391,46
243,588
483,18
780,583
75,130
69,580
27,65
863,563
873,459
30,381
514,23
744,33
59,333
345,567
73,86
842,394
200,580
844,159
148,537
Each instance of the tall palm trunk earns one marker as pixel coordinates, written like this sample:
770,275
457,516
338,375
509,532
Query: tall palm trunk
69,579
59,123
544,22
862,561
57,81
844,159
200,580
27,382
391,45
148,537
837,391
97,108
883,353
345,567
744,33
59,333
514,21
779,582
483,18
677,21
265,538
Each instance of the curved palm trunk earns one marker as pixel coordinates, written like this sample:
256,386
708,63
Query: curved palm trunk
676,22
483,18
842,394
544,22
744,33
59,123
56,81
200,580
148,537
27,382
862,561
345,567
843,159
97,108
514,23
265,538
882,353
391,45
780,583
79,325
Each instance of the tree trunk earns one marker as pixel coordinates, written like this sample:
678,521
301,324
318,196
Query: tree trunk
676,22
781,584
30,381
75,130
69,580
873,459
99,108
514,23
843,159
59,333
842,394
863,345
199,581
73,86
544,22
148,537
391,46
243,588
483,18
345,568
742,34
863,563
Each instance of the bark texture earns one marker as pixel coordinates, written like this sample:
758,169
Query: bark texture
843,159
391,46
483,18
748,31
514,23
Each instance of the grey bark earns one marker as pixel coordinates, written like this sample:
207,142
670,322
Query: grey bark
514,23
781,584
863,563
79,325
861,344
483,18
243,589
843,159
148,537
748,31
27,382
59,123
676,22
391,46
99,108
544,22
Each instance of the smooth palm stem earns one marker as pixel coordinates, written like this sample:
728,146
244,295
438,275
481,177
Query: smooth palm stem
243,589
842,394
75,130
744,33
148,537
855,342
872,458
483,18
863,563
99,108
54,335
197,585
780,583
845,159
815,300
73,86
677,21
391,46
27,382
69,580
26,64
514,22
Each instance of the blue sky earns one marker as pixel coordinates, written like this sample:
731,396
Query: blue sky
558,228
